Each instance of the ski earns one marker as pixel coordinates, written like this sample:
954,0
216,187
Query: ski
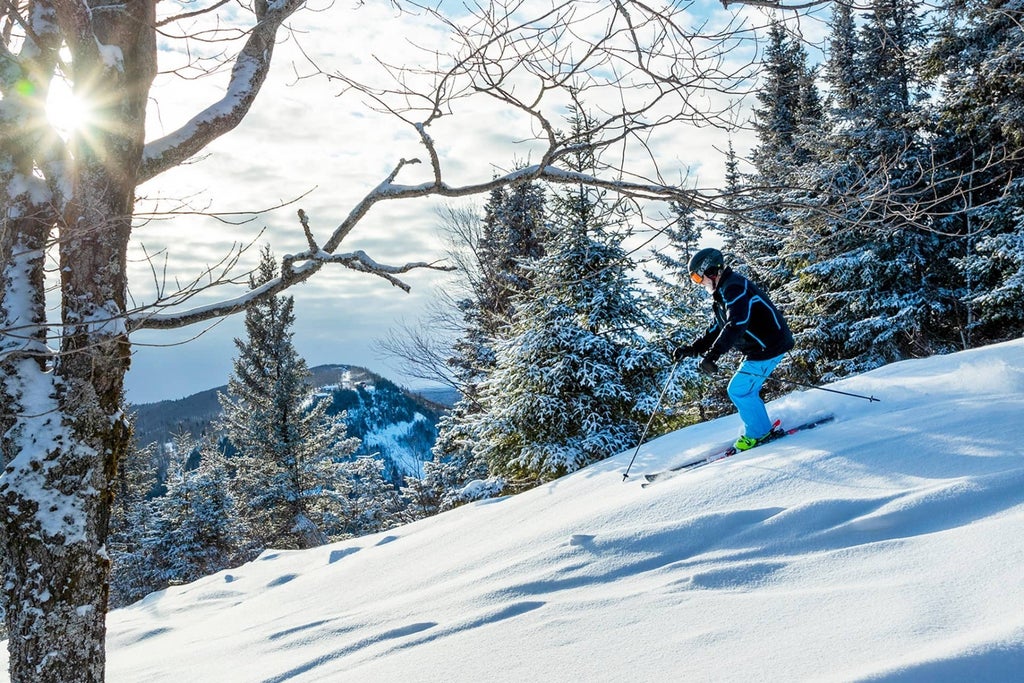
729,451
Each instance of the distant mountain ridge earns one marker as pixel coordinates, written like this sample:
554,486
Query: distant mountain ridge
393,423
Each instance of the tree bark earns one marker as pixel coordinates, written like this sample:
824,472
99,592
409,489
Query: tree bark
68,429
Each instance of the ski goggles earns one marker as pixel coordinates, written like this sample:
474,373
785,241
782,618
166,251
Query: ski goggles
697,278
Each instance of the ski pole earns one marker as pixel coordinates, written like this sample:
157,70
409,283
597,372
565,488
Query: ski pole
671,374
810,386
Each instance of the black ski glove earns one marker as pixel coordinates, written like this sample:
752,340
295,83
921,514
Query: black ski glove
682,352
707,366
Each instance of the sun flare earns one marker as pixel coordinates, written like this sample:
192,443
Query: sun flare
66,112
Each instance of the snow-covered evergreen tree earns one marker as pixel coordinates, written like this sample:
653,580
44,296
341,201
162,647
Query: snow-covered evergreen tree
447,483
195,528
869,285
513,235
977,137
289,450
841,68
372,503
575,379
130,519
494,275
787,120
730,226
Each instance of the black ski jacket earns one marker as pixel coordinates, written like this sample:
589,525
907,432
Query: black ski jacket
745,318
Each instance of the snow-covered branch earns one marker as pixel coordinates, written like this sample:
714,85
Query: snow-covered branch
247,77
220,309
300,267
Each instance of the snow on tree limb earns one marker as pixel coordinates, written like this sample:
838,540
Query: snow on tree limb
247,77
295,268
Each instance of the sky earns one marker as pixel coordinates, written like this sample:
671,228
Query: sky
306,145
884,546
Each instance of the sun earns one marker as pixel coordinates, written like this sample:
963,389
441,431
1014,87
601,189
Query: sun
66,112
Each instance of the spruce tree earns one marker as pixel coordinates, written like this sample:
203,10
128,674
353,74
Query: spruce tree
675,305
289,450
194,528
575,379
371,503
731,225
841,69
130,520
977,137
870,273
787,122
898,255
513,234
823,232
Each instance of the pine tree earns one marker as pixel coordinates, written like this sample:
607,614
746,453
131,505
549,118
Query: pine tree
842,73
449,482
823,233
130,520
730,227
289,449
869,289
194,529
977,135
787,122
781,98
513,235
372,504
675,305
575,378
902,306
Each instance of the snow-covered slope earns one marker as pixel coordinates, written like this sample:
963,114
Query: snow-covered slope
391,423
887,545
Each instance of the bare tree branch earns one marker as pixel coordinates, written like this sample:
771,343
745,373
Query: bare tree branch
295,268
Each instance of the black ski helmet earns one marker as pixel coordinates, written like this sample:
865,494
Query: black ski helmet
707,262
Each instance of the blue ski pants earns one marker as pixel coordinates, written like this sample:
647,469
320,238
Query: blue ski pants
744,392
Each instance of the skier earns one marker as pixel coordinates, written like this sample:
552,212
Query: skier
744,319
